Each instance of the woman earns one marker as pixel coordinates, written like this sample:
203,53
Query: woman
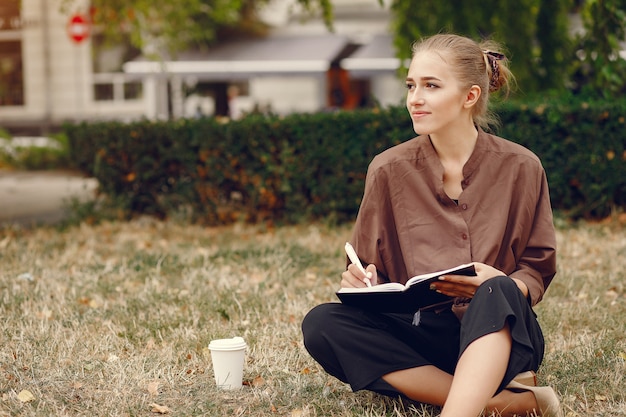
453,195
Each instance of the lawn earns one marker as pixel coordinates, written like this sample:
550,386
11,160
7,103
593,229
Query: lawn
115,319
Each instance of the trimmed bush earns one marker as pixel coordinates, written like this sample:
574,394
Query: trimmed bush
583,148
308,166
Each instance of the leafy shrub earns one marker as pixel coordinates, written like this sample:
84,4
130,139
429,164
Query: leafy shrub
310,166
582,147
34,153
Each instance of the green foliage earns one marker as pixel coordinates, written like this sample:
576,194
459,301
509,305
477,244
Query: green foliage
256,169
313,166
164,27
600,71
555,46
53,154
161,26
582,147
534,31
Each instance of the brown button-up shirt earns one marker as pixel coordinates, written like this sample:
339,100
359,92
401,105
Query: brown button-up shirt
407,225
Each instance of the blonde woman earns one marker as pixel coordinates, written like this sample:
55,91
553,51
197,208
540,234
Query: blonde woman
454,194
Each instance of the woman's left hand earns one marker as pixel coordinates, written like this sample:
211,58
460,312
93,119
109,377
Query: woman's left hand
464,286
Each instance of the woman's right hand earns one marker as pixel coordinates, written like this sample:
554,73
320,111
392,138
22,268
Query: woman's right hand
354,278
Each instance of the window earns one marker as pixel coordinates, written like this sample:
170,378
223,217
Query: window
110,87
103,92
10,15
11,78
108,58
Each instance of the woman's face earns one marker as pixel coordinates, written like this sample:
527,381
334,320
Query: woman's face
434,99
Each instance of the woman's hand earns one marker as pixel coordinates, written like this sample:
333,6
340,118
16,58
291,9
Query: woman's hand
464,286
354,278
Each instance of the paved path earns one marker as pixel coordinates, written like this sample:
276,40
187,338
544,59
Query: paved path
41,197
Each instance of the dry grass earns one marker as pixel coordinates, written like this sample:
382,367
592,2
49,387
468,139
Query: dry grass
115,319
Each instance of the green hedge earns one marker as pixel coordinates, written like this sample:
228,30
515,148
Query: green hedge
303,167
583,148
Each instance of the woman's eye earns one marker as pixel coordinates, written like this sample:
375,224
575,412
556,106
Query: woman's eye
410,86
431,85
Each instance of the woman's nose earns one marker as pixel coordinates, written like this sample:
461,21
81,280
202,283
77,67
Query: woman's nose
415,97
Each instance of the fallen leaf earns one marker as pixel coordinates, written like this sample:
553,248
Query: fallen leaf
89,302
601,397
25,396
305,371
84,300
44,315
153,388
161,409
258,381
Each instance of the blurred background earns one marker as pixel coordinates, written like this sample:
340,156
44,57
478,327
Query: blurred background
74,60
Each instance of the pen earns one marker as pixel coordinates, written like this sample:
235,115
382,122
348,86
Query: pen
355,260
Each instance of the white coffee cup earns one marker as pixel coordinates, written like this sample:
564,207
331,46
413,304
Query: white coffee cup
228,357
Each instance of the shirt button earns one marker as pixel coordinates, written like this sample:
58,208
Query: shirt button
464,236
464,206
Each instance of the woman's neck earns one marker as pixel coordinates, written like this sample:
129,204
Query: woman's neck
454,149
455,144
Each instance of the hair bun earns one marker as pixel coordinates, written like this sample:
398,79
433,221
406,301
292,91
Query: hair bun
493,69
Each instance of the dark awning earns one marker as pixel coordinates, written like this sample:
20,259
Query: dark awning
305,55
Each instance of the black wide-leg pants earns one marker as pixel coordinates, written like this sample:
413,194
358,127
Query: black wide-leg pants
359,347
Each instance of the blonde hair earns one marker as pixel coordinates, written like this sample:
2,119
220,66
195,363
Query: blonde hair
482,64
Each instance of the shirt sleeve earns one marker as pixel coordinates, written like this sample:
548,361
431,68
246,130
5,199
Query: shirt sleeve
374,235
537,264
365,235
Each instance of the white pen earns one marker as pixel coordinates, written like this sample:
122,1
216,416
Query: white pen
355,260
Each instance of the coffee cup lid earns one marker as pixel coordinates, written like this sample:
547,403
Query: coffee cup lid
235,343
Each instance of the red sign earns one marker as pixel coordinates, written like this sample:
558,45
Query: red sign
78,28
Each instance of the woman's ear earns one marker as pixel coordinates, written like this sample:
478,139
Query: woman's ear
472,96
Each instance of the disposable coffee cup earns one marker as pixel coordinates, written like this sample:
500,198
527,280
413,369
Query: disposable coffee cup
228,357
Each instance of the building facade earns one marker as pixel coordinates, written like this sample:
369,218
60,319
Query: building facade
46,69
54,68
